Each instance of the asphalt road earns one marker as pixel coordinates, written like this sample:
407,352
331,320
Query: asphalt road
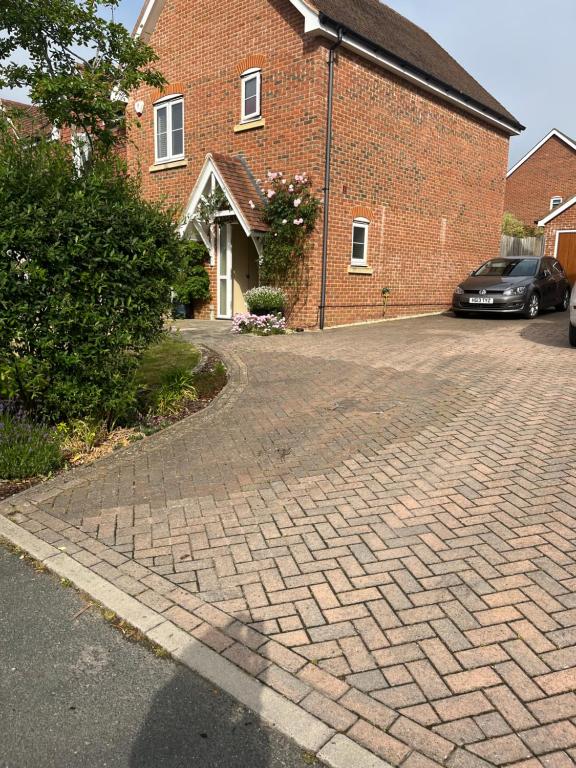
75,694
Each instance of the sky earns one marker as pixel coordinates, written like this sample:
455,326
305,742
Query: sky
518,52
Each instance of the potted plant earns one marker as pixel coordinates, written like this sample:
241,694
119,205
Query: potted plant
192,282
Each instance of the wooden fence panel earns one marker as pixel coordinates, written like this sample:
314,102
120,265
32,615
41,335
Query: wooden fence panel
522,246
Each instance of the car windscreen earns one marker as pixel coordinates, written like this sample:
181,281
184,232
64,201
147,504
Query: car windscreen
508,268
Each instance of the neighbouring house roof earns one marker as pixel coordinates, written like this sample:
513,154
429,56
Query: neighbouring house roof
411,45
554,133
233,175
378,33
27,120
557,211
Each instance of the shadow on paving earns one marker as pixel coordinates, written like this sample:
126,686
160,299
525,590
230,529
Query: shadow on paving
546,333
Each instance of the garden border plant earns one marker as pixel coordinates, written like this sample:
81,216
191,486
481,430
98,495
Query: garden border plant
174,381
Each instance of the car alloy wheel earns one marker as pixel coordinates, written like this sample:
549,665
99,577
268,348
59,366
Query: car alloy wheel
533,306
565,303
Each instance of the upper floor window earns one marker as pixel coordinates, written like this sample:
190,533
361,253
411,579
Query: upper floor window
251,94
169,129
360,242
555,202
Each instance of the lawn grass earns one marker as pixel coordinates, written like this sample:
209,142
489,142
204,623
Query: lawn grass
169,356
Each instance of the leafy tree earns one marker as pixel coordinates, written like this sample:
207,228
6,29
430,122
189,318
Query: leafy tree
86,268
74,61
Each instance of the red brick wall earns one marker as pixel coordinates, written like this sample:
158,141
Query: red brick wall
564,221
432,177
549,172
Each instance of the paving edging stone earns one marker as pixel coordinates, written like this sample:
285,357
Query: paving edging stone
294,722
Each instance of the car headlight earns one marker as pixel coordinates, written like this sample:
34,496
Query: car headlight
459,290
518,291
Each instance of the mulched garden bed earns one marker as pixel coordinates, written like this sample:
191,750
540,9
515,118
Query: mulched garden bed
10,487
209,380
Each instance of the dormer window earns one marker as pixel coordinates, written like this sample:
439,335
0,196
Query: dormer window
555,202
169,129
251,81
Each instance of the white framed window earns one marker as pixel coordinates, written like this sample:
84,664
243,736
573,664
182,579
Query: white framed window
555,202
169,129
251,87
360,229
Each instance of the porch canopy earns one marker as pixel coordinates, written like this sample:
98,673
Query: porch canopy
232,175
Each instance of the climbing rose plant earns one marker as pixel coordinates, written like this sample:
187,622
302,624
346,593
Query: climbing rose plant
290,209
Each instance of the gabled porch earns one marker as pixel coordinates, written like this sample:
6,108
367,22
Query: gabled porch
223,212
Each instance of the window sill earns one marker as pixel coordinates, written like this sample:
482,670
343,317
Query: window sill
358,270
182,163
250,125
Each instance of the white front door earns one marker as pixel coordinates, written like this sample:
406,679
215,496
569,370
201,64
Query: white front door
224,271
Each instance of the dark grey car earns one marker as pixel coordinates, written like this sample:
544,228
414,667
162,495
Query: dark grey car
518,284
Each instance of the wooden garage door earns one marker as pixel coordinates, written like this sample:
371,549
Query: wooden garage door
567,254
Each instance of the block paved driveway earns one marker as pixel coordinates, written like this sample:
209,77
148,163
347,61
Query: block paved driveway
378,522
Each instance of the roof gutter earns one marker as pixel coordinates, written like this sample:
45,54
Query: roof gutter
327,176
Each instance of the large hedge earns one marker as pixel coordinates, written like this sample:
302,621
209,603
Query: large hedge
86,267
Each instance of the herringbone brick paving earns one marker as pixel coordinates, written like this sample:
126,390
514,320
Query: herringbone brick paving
378,522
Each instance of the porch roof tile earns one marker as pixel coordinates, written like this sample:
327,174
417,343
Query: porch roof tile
242,186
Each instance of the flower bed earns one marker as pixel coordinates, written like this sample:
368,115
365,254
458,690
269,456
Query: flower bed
169,389
260,325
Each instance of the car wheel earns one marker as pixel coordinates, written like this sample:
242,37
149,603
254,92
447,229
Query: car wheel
565,303
532,308
458,313
572,335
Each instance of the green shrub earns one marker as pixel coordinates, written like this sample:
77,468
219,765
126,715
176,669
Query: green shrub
27,449
265,300
86,269
192,282
515,228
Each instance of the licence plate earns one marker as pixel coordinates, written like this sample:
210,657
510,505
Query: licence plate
481,301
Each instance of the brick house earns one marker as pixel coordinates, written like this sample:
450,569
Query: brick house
27,120
543,179
560,236
415,171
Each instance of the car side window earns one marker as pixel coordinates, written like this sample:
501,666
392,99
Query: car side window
557,267
546,268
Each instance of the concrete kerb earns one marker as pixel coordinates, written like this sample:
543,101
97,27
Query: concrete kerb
294,722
